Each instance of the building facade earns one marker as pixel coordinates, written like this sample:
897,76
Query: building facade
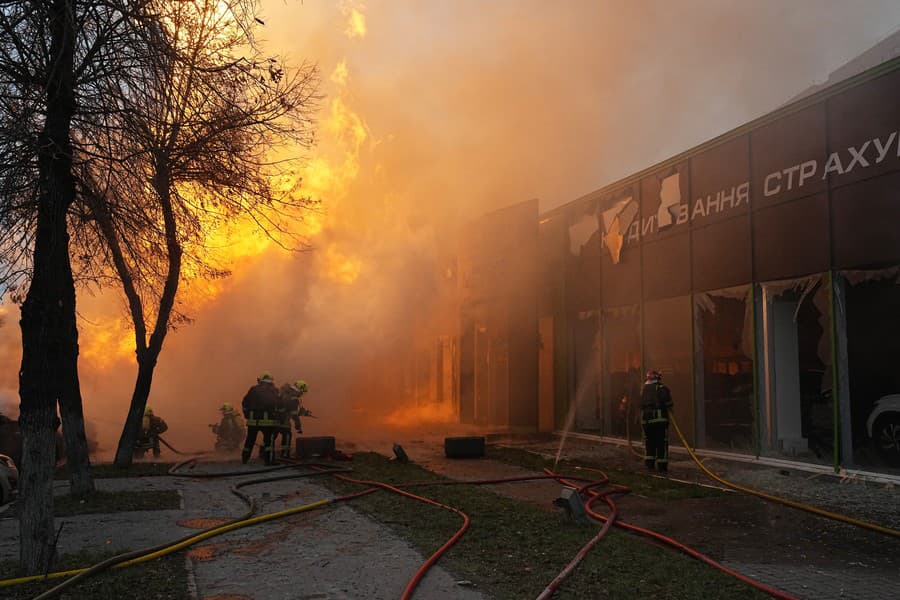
758,272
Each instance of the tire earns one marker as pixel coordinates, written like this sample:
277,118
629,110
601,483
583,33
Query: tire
886,437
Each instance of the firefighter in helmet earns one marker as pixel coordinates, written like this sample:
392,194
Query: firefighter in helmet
259,406
656,400
289,413
151,428
230,430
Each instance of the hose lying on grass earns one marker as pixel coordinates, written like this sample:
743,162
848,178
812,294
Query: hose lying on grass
595,496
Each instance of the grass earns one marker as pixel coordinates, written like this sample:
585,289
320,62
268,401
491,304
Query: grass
513,550
110,471
639,482
164,578
112,502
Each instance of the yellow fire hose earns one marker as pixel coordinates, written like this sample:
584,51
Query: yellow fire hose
179,546
786,502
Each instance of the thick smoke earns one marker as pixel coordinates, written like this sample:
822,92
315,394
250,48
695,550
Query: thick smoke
436,113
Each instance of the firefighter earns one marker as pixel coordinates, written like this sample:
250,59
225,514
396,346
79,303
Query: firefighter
259,407
230,430
656,400
151,427
289,413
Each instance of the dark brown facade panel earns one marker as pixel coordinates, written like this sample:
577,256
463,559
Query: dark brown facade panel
791,240
785,156
667,267
866,226
720,182
661,196
864,131
721,256
621,283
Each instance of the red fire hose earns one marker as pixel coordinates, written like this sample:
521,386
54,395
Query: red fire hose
669,541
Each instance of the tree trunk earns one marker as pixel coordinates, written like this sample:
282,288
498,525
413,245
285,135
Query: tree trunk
49,306
125,450
72,415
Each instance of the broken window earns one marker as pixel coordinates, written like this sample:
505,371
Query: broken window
797,406
621,385
724,369
873,350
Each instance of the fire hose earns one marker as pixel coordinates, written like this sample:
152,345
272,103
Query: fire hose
146,554
777,499
664,539
245,520
594,497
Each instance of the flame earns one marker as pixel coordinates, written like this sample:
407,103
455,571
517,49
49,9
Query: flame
340,74
235,244
356,23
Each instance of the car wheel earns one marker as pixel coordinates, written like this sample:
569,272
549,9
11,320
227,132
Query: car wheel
886,435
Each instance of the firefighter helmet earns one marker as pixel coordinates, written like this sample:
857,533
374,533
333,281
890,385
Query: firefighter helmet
226,407
265,377
300,386
653,374
148,410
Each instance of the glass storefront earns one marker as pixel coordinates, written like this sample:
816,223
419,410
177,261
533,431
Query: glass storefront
621,386
667,348
586,371
873,351
724,369
796,377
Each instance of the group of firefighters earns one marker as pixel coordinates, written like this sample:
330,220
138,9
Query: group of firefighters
272,411
266,409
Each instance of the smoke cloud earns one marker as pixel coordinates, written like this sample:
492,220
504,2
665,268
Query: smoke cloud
435,113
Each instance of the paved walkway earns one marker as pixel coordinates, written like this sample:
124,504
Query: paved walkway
332,553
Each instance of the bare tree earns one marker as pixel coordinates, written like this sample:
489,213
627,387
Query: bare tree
188,144
50,53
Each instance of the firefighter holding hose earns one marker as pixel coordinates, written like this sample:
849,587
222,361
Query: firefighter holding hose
288,413
151,428
656,400
259,407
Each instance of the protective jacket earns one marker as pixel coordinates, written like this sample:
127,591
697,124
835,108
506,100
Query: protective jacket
656,400
289,407
259,405
152,425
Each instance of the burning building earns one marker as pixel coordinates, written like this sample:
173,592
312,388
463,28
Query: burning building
759,272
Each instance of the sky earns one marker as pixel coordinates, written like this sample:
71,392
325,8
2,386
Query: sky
434,113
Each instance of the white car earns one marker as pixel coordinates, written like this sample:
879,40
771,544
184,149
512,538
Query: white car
9,479
883,426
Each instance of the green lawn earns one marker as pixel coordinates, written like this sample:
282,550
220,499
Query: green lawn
161,579
513,549
640,482
111,502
